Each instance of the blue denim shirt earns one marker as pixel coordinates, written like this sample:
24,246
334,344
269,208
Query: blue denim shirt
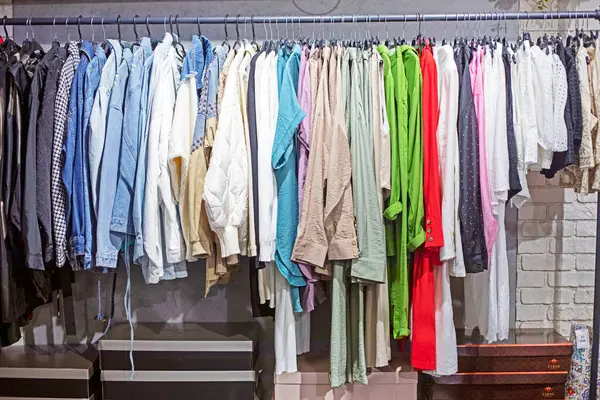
140,174
92,80
108,243
283,161
72,173
122,217
207,105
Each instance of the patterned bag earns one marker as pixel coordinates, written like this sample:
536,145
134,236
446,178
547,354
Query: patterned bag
578,381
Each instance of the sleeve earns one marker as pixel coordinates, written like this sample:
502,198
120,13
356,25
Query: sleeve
431,177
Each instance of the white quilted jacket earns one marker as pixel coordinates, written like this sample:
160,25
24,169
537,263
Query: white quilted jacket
226,187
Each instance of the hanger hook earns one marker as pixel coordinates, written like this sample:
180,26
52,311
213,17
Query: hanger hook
148,25
32,31
171,24
5,30
53,28
67,27
177,26
26,29
79,26
277,26
103,29
135,17
387,30
265,28
237,28
225,27
198,25
92,26
119,26
253,31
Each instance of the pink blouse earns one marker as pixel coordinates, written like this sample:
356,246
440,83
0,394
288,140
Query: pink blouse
490,224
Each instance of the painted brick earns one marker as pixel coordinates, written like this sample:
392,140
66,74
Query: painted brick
585,262
584,296
531,279
585,245
552,195
570,312
587,198
546,296
531,313
555,212
547,262
580,211
571,279
552,228
532,212
561,245
586,228
533,246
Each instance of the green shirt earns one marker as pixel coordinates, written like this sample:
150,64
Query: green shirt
397,220
416,207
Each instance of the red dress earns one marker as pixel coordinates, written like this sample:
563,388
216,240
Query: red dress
427,257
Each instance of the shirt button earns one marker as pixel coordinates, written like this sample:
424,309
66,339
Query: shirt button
354,242
428,221
428,230
430,238
355,255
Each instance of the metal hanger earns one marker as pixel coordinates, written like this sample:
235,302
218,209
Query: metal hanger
148,26
67,27
254,43
137,37
79,27
119,27
92,27
198,24
177,26
226,41
237,32
5,30
103,29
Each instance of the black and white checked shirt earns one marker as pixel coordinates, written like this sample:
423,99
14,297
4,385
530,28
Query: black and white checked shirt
59,196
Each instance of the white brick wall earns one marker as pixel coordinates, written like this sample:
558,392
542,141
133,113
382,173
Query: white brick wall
555,269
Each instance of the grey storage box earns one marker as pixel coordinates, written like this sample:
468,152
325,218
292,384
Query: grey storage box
49,373
180,361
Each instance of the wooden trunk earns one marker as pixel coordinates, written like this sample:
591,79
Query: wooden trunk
531,364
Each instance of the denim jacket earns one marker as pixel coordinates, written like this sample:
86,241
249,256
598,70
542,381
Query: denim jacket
108,244
99,115
122,218
140,173
92,80
72,174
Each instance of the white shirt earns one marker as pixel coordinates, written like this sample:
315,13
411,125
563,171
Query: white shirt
158,196
542,90
526,100
559,93
180,142
523,196
266,114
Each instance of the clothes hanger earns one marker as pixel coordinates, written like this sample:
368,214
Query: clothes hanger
93,33
198,25
238,44
176,42
26,46
119,29
137,37
226,41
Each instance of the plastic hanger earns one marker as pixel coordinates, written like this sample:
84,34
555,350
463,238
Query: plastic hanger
237,33
177,39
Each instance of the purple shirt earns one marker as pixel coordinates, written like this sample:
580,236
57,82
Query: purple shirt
305,101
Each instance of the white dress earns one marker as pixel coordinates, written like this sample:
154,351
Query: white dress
451,253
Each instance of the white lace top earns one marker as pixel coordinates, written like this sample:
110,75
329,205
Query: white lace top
559,91
526,101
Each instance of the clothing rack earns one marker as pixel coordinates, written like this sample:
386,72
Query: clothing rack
350,18
373,18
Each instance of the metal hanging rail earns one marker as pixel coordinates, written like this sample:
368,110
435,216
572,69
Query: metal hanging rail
355,18
229,19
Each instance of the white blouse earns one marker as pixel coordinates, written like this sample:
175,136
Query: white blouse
542,90
526,99
559,92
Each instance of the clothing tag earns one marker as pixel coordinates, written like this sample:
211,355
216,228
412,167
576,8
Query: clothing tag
583,338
